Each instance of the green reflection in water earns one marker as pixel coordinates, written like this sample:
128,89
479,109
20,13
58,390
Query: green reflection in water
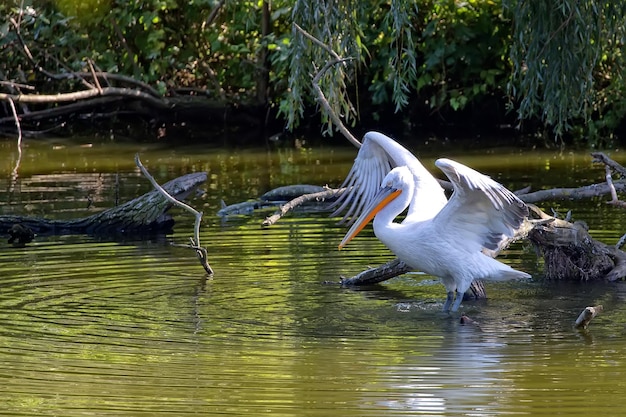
134,328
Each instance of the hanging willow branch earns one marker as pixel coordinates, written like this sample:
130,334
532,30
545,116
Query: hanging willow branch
563,53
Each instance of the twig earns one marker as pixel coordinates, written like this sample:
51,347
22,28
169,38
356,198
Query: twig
95,77
195,242
317,42
17,85
26,50
286,208
609,181
213,15
109,76
322,99
14,172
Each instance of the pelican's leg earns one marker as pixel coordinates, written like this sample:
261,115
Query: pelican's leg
446,306
457,302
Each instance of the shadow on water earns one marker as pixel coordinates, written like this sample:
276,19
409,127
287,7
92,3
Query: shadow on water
134,327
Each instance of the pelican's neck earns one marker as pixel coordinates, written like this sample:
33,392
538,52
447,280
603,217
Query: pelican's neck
384,220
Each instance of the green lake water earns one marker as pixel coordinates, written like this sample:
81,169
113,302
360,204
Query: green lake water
93,327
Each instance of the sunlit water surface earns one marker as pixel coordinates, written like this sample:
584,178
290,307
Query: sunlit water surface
135,328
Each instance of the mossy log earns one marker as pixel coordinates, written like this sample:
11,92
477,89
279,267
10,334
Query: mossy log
146,214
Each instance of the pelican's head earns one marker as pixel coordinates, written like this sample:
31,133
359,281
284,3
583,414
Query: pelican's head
394,183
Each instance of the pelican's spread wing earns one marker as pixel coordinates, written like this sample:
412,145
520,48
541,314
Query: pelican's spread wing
377,156
481,211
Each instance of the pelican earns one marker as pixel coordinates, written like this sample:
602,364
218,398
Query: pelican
449,239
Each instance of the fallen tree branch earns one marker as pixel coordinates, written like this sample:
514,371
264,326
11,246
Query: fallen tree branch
120,78
201,252
378,274
587,191
609,181
570,253
65,109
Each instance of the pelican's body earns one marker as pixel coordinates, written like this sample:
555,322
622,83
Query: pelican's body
447,239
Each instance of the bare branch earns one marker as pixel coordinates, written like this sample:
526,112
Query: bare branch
95,77
14,172
601,157
586,191
195,242
379,274
609,181
15,85
286,208
322,99
317,42
214,13
81,95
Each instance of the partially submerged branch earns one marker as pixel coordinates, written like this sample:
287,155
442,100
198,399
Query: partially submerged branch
588,314
201,252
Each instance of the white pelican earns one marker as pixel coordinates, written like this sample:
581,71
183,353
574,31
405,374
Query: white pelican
443,238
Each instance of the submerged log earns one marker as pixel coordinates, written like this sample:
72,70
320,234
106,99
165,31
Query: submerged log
143,215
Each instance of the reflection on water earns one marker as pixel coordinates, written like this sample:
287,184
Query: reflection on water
134,328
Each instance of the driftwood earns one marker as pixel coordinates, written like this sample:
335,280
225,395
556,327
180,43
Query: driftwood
143,215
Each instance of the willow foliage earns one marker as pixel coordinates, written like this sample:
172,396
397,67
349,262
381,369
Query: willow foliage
567,59
346,27
442,53
335,25
559,60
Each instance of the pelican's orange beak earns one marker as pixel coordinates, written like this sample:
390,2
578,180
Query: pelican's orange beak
380,200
